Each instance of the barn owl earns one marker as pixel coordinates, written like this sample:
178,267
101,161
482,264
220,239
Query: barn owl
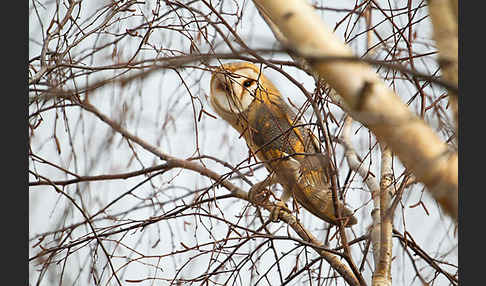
250,103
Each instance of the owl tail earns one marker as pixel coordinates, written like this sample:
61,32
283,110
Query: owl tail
314,193
308,179
319,202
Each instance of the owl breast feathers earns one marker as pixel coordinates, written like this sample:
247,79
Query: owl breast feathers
247,100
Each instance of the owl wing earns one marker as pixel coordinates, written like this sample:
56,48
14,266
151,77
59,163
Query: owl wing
292,151
275,130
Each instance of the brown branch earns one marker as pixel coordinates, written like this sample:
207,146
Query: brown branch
96,236
288,218
121,176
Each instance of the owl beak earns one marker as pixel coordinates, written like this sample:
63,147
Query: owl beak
222,84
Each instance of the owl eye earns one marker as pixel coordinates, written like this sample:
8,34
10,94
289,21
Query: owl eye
247,83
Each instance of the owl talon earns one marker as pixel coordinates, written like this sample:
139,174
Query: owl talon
279,206
258,194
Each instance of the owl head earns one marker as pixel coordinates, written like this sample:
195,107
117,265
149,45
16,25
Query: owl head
235,86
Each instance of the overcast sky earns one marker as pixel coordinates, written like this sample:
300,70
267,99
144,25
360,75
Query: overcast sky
160,110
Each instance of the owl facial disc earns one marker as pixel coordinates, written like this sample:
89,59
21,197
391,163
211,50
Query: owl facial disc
233,91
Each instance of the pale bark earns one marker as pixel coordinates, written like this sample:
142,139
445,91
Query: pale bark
356,165
375,235
371,182
443,14
382,274
372,102
381,228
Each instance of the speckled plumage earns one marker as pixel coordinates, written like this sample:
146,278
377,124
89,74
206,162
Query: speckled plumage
247,100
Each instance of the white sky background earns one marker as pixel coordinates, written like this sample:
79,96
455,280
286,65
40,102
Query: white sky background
159,110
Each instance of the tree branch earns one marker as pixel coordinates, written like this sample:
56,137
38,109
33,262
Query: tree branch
373,103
